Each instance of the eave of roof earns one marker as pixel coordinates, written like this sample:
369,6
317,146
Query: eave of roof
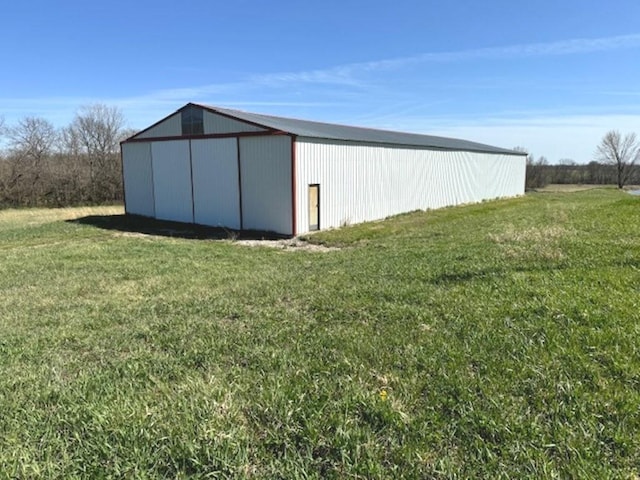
329,131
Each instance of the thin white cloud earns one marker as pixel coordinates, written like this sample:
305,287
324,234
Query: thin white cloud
355,74
563,47
620,93
349,74
336,76
554,134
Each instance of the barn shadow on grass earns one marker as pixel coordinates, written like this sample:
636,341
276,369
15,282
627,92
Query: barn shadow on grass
135,224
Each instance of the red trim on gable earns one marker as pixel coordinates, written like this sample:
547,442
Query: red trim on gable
269,130
209,135
133,137
226,115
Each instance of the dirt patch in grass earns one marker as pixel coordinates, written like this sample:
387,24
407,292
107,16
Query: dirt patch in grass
287,245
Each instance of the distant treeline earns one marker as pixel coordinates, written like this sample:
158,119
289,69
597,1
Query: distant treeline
540,173
75,165
616,161
80,164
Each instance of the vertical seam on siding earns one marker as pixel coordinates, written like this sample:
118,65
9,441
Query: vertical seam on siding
239,182
153,185
293,186
193,203
124,193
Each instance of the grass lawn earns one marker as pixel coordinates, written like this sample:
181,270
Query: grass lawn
569,187
498,340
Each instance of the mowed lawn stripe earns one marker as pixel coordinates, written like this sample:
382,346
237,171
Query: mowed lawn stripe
496,340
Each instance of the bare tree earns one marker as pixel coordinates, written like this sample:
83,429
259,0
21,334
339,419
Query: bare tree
69,142
536,173
31,144
78,164
622,152
2,134
97,130
32,138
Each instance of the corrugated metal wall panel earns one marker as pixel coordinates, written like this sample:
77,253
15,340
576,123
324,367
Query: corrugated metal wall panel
171,127
172,180
138,178
265,164
220,124
216,195
368,182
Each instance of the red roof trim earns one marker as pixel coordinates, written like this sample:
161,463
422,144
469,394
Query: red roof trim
209,135
269,130
133,137
226,115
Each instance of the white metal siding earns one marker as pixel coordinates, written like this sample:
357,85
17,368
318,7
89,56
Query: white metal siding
216,196
214,123
172,180
171,127
265,164
367,182
138,178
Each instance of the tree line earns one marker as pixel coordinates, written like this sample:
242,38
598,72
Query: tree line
617,162
541,174
80,163
77,164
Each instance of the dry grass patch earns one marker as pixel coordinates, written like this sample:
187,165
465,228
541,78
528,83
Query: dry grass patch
540,243
38,216
568,188
535,234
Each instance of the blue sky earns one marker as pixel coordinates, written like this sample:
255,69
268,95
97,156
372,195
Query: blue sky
551,76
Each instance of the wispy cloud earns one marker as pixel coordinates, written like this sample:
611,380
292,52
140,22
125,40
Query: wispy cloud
563,47
342,75
350,74
621,93
274,89
361,93
359,76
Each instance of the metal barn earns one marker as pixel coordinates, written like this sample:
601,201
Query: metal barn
245,171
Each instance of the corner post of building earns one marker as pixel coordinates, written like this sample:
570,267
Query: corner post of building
294,229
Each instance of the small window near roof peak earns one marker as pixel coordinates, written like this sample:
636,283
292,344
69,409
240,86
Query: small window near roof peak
192,123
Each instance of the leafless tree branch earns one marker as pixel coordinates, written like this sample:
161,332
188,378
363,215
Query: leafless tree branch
621,152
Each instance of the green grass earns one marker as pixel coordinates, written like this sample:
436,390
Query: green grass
498,340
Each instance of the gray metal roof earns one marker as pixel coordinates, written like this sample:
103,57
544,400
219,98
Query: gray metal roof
306,128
